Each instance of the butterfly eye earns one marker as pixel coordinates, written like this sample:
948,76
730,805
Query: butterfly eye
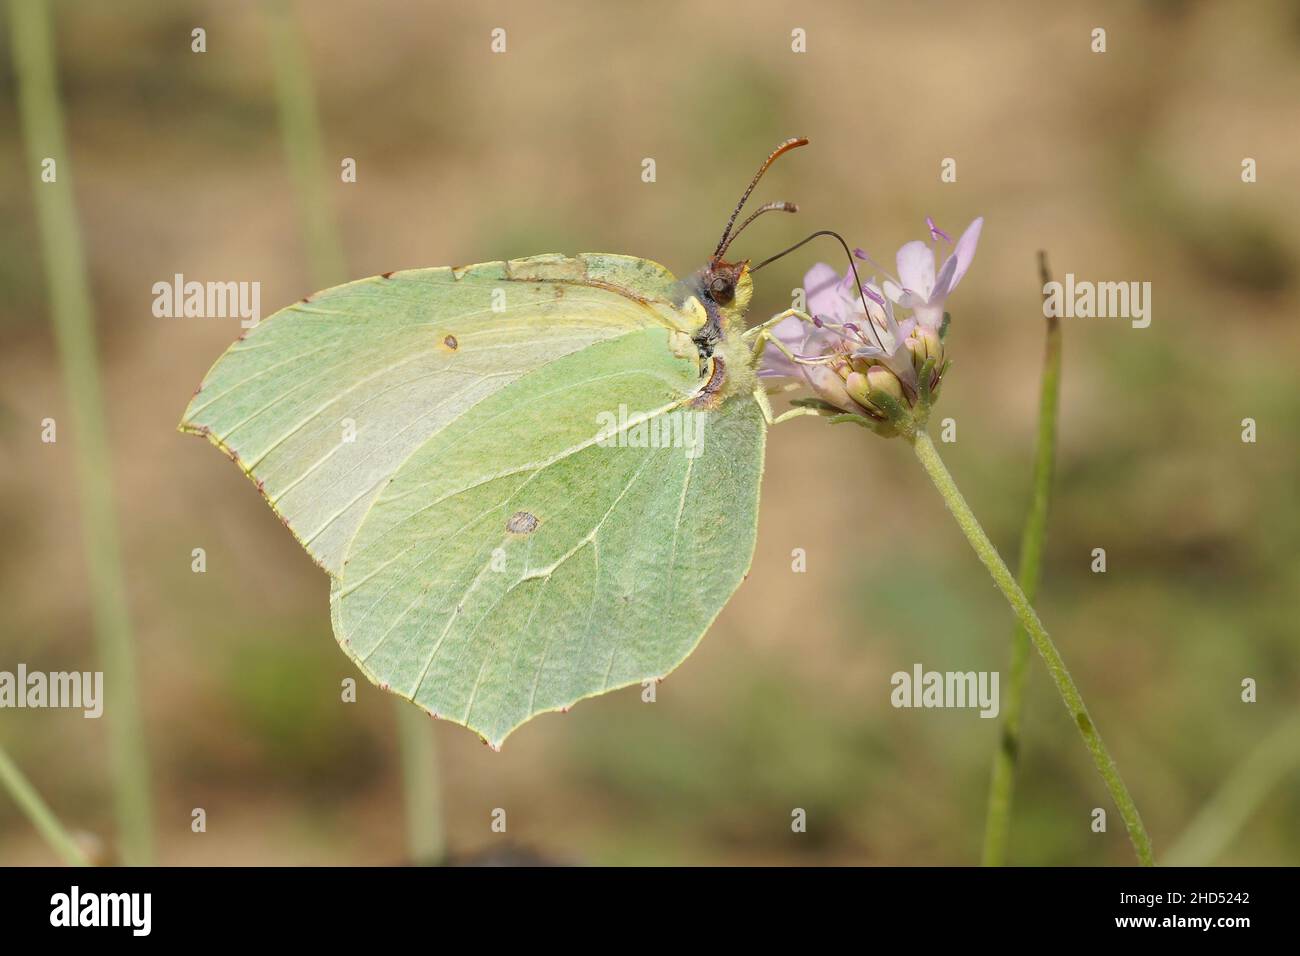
721,290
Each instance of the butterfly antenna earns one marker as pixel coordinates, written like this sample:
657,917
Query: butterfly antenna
766,207
785,147
853,266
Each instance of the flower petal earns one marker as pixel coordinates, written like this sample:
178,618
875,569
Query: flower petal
791,330
893,291
904,297
906,327
929,316
820,292
776,365
916,267
945,281
965,250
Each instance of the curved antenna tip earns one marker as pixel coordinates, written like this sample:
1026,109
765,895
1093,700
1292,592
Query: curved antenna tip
783,148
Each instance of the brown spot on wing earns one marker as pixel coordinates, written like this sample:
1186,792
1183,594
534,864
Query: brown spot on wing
522,522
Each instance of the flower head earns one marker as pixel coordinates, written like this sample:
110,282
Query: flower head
862,354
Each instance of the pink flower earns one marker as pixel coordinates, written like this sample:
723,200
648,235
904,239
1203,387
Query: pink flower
918,286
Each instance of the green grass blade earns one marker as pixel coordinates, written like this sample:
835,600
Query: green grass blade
304,145
37,811
997,825
420,785
70,310
1228,810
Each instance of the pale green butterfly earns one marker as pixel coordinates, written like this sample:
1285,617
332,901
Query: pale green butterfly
531,482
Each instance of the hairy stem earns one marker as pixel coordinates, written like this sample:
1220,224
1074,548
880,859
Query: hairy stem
36,810
1070,696
72,316
997,826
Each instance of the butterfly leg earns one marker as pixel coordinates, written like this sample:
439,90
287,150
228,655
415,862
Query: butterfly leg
762,340
750,335
763,337
765,406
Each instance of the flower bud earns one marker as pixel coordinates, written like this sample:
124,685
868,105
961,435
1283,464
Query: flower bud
828,386
924,343
859,388
882,380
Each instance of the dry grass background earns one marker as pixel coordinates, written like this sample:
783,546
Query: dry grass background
1125,166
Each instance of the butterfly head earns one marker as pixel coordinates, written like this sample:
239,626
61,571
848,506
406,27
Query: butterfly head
728,285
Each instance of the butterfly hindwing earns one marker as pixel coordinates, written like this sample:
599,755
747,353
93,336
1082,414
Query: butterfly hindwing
519,561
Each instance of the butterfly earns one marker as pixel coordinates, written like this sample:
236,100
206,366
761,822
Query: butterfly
530,481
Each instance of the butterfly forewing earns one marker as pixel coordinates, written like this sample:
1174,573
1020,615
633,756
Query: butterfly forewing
322,402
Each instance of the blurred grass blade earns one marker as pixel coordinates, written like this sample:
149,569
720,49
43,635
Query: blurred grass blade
1232,805
46,823
70,310
1002,783
420,785
303,146
308,166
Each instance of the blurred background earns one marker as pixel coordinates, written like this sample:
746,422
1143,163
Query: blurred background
1124,166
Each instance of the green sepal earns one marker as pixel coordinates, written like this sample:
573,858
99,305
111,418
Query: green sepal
819,404
923,377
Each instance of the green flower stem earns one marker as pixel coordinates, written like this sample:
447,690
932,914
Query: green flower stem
74,329
305,151
938,472
46,823
1002,781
